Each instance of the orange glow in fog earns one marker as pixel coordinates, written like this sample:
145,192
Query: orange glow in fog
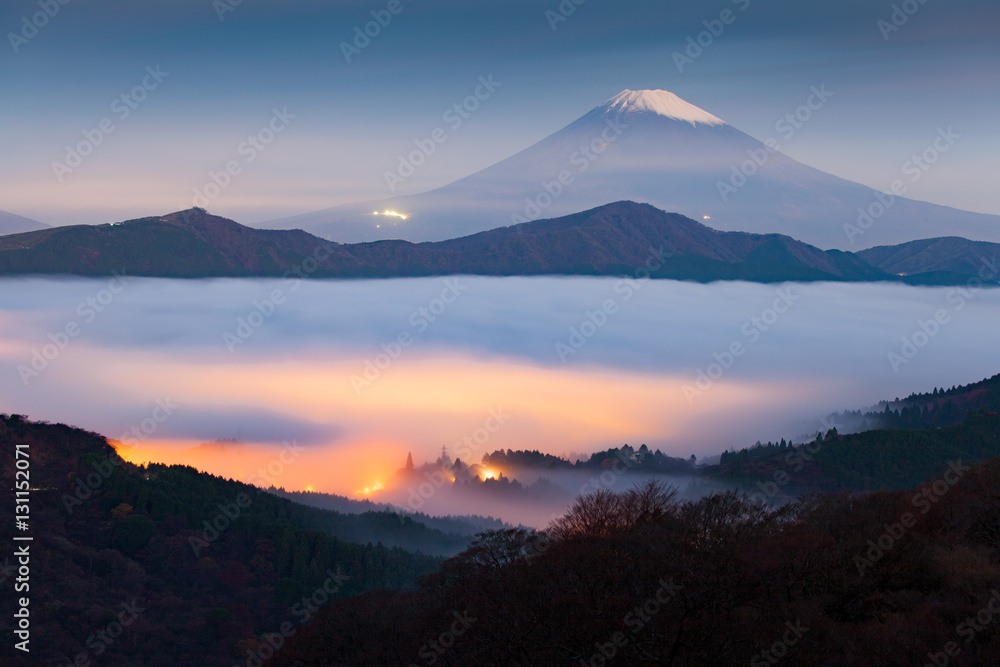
339,467
416,405
368,490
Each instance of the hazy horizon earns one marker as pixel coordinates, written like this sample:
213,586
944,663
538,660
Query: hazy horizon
771,514
366,371
221,75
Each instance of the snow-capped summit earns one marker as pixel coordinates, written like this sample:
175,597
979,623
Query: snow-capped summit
651,146
659,102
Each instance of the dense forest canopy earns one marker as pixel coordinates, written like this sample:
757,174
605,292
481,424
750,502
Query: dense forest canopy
894,564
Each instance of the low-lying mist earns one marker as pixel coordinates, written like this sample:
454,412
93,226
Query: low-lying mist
356,374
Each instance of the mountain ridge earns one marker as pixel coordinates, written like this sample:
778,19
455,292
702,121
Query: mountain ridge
11,223
622,238
643,146
946,254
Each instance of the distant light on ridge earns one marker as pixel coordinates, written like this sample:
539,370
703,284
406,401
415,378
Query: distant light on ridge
377,486
394,214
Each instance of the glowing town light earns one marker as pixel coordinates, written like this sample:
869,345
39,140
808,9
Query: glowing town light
391,214
377,486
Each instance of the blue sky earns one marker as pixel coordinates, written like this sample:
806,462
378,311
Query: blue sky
227,72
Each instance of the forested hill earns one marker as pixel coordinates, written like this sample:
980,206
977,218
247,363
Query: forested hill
639,578
885,459
940,407
904,444
214,564
642,459
467,525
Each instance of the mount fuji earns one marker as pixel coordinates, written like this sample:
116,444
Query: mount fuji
651,146
14,224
